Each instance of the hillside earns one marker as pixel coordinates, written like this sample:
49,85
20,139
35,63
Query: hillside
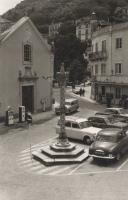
43,12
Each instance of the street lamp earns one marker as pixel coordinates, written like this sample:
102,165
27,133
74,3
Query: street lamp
62,139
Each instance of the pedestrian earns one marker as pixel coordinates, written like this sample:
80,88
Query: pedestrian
83,92
80,92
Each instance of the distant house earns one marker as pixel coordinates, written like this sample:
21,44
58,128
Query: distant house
85,27
53,29
25,68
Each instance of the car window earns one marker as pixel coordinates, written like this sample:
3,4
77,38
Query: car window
68,124
108,111
106,138
67,103
83,124
75,125
91,119
100,120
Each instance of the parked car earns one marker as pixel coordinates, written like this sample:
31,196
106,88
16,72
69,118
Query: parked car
104,121
71,105
78,128
76,91
110,143
120,113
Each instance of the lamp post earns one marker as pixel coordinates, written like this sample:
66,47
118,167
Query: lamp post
62,139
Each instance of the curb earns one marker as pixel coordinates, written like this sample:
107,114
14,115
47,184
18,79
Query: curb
4,129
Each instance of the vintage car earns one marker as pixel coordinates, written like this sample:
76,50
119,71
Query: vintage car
71,105
76,91
120,113
104,121
110,143
78,128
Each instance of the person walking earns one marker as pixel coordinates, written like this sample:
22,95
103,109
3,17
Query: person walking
83,92
80,92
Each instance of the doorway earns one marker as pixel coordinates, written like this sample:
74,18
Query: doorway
28,98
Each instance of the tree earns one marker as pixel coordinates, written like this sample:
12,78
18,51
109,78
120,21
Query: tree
77,71
68,48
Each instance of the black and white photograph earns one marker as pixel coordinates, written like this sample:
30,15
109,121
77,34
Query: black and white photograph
63,99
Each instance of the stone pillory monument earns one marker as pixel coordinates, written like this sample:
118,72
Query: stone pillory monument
62,151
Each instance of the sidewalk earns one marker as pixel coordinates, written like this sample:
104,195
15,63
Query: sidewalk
37,118
87,95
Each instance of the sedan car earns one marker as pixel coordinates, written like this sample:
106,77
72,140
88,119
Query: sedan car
120,113
78,128
110,144
104,121
71,105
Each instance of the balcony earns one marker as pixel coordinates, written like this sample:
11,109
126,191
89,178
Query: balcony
113,79
100,55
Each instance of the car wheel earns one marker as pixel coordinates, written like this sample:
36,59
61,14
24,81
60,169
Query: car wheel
118,156
87,140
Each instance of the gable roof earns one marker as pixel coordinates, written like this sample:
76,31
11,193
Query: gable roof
6,34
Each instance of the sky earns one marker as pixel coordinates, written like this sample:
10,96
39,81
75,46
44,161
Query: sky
5,5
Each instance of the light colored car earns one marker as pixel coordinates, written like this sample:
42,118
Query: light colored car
78,128
71,105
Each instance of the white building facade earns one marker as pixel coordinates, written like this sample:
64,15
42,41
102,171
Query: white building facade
25,69
109,62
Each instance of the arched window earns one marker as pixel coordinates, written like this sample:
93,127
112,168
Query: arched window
27,53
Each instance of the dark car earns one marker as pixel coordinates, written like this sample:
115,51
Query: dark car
119,113
104,121
110,143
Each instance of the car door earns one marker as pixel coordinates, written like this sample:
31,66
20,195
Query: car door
75,131
68,128
122,143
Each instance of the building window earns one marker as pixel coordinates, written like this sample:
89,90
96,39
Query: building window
96,69
103,69
92,72
27,53
104,45
118,93
118,43
96,47
86,33
118,68
103,90
79,34
92,48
